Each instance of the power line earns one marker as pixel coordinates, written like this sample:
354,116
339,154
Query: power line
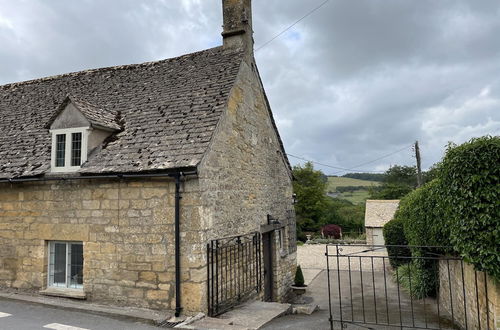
354,167
385,156
326,165
291,26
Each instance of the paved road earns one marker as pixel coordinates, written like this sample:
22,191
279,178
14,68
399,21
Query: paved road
16,315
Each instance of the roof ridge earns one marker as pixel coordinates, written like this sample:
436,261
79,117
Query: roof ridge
107,68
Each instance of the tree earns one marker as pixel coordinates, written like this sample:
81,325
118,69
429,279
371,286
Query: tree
390,191
398,182
310,188
401,175
378,177
315,209
432,173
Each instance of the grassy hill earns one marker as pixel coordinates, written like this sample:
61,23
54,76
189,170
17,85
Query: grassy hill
357,196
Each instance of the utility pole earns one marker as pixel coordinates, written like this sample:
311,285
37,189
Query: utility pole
419,169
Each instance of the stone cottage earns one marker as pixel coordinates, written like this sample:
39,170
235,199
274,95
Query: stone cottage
114,180
377,214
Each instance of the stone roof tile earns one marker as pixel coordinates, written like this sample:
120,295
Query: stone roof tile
169,110
379,212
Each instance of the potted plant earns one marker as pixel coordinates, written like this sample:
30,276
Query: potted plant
298,286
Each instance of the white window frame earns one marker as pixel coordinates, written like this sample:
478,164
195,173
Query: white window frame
51,246
67,153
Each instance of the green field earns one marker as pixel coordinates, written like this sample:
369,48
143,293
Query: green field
337,181
356,197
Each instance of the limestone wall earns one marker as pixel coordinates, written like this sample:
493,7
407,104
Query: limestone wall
244,177
476,302
127,229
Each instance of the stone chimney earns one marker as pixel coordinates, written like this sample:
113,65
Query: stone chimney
238,32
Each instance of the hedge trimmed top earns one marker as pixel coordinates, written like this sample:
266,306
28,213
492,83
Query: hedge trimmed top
461,208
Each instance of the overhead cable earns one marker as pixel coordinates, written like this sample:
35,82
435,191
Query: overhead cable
342,169
291,26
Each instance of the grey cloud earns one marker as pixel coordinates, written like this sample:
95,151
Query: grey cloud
354,81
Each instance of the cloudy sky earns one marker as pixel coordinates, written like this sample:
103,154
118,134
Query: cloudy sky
351,83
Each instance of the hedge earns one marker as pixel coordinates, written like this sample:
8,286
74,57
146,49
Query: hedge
424,224
460,209
423,217
470,185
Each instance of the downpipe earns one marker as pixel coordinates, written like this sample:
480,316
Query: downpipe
178,308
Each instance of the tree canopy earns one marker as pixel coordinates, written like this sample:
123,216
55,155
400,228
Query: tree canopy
310,188
315,209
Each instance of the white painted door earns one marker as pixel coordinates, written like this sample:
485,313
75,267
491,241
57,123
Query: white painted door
378,237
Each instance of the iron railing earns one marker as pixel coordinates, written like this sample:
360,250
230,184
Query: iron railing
234,271
364,289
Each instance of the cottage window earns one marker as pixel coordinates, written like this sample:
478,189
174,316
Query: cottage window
68,149
76,149
60,149
66,264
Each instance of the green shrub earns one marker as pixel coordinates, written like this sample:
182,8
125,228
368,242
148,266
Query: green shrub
300,243
422,217
394,235
469,176
299,277
418,278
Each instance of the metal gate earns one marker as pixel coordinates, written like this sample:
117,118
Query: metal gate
234,271
368,288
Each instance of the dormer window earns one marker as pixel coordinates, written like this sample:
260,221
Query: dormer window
60,150
68,146
78,128
76,149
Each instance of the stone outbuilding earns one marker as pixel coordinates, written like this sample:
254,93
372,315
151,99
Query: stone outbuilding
377,214
128,185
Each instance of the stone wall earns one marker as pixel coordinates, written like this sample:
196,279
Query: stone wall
127,229
466,307
244,176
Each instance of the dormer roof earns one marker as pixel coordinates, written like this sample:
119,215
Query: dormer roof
97,117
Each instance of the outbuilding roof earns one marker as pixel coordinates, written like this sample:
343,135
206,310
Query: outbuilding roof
379,212
168,112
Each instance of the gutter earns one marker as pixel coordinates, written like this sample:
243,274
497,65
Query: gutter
177,175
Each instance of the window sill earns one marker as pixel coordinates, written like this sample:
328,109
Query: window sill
64,292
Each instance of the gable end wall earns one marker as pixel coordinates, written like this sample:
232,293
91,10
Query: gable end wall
244,176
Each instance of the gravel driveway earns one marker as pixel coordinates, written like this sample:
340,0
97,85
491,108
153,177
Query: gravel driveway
312,256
